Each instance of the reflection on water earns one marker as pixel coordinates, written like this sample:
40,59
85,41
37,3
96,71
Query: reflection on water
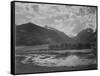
50,60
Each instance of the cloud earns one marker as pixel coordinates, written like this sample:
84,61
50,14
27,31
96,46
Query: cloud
68,19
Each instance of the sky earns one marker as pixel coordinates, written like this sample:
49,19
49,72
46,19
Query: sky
69,19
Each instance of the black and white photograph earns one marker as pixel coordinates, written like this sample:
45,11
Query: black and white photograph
52,37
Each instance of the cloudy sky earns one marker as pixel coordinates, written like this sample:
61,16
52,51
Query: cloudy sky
68,19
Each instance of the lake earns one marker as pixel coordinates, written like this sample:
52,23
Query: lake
50,61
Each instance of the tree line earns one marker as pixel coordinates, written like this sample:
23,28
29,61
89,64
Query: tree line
65,46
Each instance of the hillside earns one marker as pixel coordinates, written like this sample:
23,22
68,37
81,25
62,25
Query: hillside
32,34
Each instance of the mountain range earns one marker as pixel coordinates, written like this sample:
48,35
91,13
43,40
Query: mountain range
31,34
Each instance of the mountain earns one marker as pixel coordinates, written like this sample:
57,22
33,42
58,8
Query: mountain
32,34
86,36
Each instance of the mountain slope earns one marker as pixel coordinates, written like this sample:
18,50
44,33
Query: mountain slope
86,36
32,34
